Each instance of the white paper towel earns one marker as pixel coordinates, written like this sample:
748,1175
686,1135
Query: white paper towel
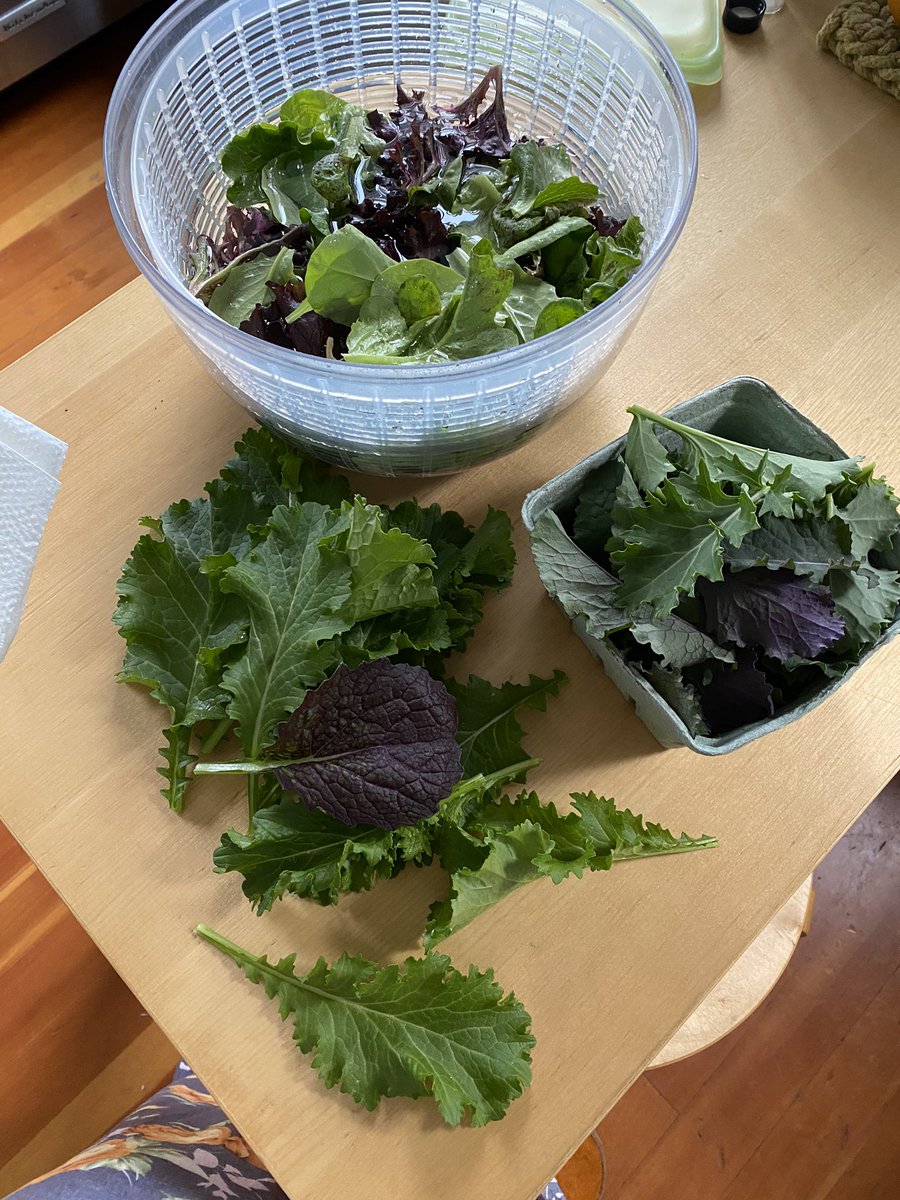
30,460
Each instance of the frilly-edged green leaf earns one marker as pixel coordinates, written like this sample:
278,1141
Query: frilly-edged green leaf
175,620
178,758
295,589
587,592
732,461
421,1028
508,864
645,455
734,515
270,472
624,835
668,546
872,517
488,732
867,600
807,545
680,696
294,849
389,569
525,839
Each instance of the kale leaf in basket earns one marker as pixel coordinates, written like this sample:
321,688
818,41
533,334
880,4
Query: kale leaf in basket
736,579
420,184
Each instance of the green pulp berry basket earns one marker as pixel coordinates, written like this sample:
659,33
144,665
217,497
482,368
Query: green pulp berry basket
745,410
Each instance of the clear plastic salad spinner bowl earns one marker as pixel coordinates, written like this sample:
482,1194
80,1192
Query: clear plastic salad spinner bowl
599,79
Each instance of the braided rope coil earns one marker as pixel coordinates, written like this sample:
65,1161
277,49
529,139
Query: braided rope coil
864,36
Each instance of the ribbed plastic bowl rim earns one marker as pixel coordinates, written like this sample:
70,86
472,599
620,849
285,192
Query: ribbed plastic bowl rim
538,348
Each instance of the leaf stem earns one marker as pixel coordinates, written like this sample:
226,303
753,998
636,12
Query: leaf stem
257,766
215,736
235,768
221,943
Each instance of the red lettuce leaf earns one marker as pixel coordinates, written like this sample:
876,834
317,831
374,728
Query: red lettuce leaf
488,134
773,611
245,229
378,745
402,231
309,334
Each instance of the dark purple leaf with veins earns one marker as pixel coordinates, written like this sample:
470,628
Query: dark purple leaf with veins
773,611
372,746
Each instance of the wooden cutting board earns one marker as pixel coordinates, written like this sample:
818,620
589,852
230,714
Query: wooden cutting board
787,270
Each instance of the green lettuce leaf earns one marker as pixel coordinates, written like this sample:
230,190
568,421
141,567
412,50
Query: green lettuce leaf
340,274
612,261
557,314
287,183
418,1029
383,327
542,239
246,285
314,114
245,156
534,169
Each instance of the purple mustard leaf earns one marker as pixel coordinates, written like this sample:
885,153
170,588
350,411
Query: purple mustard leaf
736,696
378,744
776,612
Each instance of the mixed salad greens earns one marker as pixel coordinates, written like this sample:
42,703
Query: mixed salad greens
285,614
414,236
736,579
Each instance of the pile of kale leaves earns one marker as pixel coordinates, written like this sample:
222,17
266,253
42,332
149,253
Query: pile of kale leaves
736,579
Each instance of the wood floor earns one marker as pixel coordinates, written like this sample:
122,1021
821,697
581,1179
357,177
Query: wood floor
801,1103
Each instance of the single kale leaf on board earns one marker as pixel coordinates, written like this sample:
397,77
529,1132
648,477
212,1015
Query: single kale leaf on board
735,579
234,605
421,1028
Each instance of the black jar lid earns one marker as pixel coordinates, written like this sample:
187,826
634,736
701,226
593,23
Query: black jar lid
743,16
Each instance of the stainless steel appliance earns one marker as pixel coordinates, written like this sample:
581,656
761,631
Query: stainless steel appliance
33,32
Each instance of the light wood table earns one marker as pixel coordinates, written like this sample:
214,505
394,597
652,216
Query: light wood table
788,269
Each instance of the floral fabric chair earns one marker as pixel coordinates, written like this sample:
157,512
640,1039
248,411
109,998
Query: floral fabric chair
177,1146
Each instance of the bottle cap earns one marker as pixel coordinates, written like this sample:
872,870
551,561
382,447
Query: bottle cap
743,16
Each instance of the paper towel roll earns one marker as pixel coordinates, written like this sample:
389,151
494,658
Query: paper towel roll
30,460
